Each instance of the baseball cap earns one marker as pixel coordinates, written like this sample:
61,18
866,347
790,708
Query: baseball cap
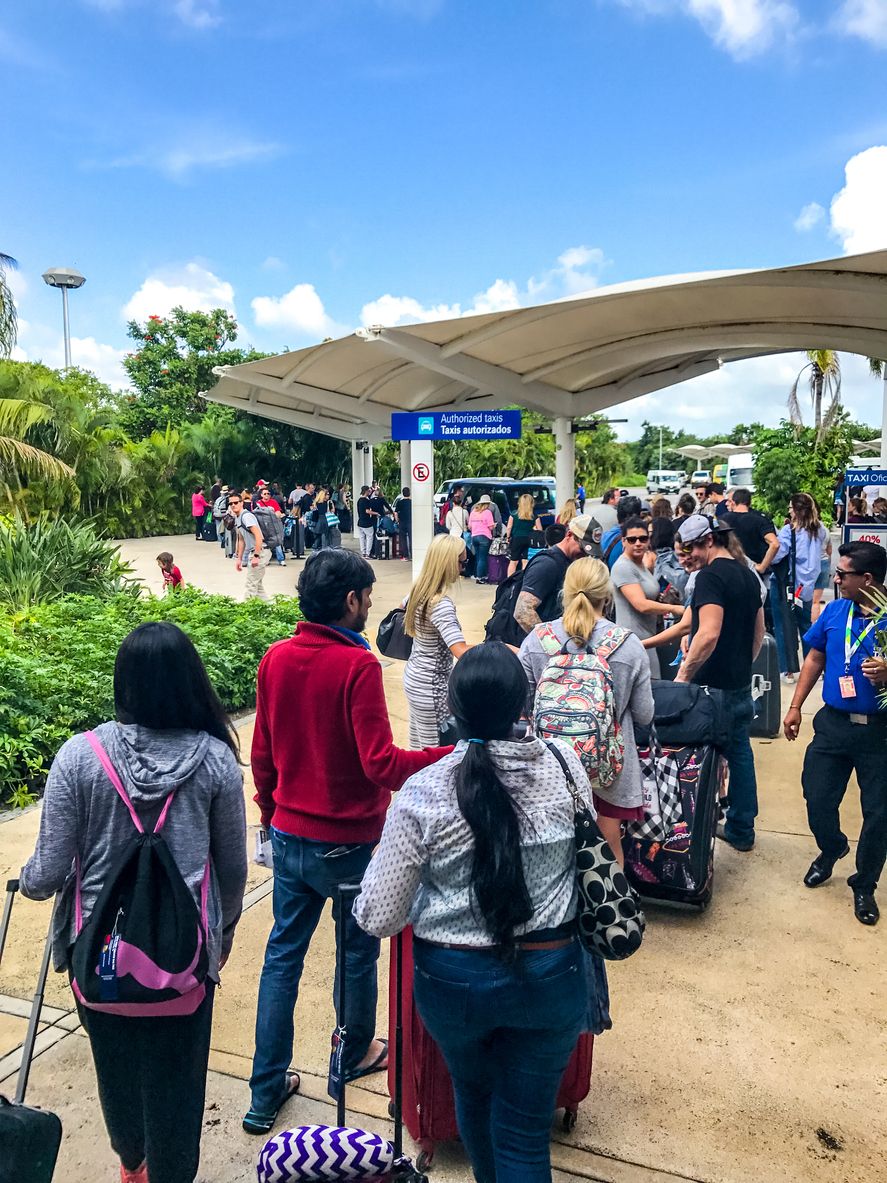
260,483
588,531
697,526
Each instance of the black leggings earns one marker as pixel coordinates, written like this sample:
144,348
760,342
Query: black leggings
152,1085
198,526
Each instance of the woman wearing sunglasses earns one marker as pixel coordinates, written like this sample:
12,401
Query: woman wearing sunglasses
638,606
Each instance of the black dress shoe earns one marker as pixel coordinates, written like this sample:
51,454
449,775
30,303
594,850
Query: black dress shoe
821,868
864,907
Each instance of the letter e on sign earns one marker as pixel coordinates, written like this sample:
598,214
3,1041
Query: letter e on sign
420,472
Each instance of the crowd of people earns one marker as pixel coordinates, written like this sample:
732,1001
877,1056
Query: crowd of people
259,525
477,851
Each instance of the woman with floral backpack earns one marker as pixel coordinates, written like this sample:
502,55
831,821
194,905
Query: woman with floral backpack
590,684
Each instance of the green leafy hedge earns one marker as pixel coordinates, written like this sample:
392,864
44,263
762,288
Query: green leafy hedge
57,666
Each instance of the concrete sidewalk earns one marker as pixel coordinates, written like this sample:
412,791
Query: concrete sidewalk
748,1042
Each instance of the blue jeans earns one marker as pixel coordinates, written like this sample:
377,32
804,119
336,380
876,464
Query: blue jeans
482,553
743,809
279,554
306,875
507,1033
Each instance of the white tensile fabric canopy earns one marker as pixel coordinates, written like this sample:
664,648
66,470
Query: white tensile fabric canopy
572,357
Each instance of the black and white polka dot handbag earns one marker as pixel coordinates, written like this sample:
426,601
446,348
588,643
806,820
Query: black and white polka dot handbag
610,920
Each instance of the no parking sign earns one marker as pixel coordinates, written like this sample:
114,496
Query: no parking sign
421,472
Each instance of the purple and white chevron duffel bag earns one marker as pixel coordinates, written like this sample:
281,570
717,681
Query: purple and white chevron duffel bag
322,1152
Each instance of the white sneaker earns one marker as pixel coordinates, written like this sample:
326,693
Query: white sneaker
789,679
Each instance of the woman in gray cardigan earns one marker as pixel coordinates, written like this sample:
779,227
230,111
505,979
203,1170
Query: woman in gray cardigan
587,591
172,736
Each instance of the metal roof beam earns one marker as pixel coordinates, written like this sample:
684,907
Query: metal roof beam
323,425
486,378
316,396
586,402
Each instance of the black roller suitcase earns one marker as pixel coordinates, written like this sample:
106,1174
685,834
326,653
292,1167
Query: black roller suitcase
29,1137
766,690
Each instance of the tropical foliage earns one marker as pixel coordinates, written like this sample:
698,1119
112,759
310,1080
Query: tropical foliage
8,319
46,559
57,664
824,378
794,459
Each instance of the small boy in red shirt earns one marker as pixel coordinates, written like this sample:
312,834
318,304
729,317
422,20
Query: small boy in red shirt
172,576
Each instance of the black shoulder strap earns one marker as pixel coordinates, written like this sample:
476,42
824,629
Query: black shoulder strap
611,545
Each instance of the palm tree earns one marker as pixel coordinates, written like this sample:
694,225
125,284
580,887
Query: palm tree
20,459
877,367
8,322
825,385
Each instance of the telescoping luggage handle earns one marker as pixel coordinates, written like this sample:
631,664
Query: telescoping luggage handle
347,893
12,886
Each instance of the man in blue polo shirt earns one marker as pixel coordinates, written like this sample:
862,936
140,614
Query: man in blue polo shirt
850,731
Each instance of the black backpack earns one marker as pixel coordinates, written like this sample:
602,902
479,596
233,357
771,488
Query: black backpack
142,952
502,626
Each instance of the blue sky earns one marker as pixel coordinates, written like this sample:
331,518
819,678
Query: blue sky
319,165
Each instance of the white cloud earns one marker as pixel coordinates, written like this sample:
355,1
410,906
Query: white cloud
193,14
197,15
391,310
192,286
811,215
749,391
300,309
859,210
197,149
866,19
37,342
743,28
272,263
577,270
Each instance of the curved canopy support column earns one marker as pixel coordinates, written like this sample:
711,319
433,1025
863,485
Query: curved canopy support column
565,460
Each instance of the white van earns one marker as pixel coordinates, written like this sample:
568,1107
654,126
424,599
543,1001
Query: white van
665,480
740,471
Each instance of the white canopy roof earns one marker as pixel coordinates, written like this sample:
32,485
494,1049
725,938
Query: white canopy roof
572,357
700,452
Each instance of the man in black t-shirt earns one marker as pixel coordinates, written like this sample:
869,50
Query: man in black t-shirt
754,530
366,522
403,511
539,597
727,633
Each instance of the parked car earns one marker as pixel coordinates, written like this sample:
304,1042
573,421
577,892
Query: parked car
665,480
505,491
702,476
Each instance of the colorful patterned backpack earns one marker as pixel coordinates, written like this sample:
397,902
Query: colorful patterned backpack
576,702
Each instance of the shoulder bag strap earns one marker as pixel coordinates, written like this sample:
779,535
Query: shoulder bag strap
578,803
611,545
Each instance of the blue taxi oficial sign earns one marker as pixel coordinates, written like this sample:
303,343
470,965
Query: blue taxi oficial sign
456,425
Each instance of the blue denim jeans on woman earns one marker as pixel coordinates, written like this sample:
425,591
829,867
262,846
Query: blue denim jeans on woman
740,711
306,875
507,1032
482,553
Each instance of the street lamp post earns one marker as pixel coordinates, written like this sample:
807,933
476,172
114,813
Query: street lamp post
65,278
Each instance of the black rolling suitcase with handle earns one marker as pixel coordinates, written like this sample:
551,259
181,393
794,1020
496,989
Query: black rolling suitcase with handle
29,1137
766,690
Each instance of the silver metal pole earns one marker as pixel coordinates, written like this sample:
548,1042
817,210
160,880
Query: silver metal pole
67,328
884,420
660,449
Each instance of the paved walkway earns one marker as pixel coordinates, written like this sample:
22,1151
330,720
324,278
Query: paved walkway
749,1042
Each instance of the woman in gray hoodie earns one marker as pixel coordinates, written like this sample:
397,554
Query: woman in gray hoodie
171,736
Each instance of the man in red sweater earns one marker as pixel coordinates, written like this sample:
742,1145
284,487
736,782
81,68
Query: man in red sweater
325,765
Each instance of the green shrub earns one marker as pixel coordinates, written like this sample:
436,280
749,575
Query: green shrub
57,666
48,558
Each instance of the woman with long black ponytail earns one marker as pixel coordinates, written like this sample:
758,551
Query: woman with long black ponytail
478,855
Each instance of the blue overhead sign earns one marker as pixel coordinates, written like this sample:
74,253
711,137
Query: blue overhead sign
865,476
456,425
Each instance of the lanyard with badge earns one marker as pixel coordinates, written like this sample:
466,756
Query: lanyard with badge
846,684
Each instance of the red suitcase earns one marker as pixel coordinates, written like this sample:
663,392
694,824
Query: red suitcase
429,1110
